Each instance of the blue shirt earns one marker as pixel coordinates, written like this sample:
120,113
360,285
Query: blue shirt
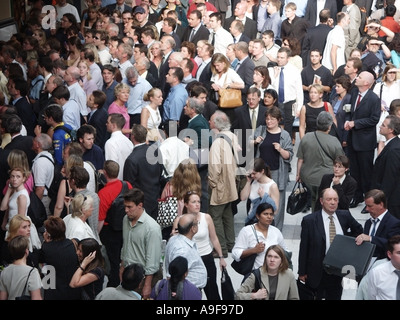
135,102
175,102
60,140
109,94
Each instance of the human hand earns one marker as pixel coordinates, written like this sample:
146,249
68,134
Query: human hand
277,146
336,180
361,238
88,259
259,139
260,246
261,192
38,130
261,294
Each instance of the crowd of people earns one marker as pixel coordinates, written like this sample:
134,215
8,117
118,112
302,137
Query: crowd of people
116,105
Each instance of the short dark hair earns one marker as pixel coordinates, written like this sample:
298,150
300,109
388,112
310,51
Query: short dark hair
132,276
61,92
134,195
85,129
377,195
17,247
80,176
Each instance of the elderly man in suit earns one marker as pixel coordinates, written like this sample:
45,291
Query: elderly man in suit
317,232
361,124
140,173
119,5
250,26
381,226
387,165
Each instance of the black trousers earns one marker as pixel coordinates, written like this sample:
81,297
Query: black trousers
211,289
330,287
112,240
134,118
288,118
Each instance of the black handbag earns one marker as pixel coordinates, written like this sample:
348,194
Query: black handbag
297,200
245,265
25,296
305,291
228,293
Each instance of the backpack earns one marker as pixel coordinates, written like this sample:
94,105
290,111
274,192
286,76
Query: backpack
116,212
100,178
36,210
52,190
71,132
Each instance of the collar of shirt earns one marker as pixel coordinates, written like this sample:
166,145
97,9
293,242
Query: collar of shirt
243,20
193,117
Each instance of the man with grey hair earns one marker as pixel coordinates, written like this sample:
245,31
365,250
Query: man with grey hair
112,30
138,87
142,65
71,76
222,165
316,153
124,54
43,167
196,135
167,46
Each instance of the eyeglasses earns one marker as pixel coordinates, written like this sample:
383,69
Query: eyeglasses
97,38
392,72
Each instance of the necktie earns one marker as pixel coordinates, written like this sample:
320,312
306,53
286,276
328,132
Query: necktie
119,9
332,229
281,93
358,100
237,67
253,120
191,35
398,285
234,39
374,221
213,39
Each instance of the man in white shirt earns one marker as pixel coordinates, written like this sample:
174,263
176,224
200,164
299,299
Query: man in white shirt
71,76
71,115
100,40
334,53
62,7
94,69
118,147
219,37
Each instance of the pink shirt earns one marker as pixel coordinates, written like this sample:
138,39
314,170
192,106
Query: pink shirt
115,108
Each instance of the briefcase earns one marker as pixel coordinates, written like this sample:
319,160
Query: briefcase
346,257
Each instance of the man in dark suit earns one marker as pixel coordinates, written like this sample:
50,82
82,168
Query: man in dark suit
204,51
140,173
361,124
317,231
312,14
236,29
196,31
315,37
120,5
381,226
167,47
386,173
245,67
98,117
250,26
249,117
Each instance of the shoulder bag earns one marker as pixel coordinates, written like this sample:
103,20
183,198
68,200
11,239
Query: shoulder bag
297,200
229,98
228,293
245,265
316,137
167,209
25,296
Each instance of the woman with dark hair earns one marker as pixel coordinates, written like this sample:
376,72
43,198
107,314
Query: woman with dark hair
60,253
270,98
188,50
90,274
275,282
256,238
274,146
176,287
74,47
67,20
259,188
261,79
295,46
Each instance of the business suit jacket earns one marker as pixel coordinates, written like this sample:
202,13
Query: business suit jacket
363,136
201,34
25,112
23,143
145,176
345,190
341,118
386,172
205,76
163,85
388,227
312,14
198,124
250,26
313,243
151,80
315,38
246,71
244,38
98,120
243,121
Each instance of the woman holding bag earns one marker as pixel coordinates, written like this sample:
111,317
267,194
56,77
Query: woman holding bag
274,146
256,238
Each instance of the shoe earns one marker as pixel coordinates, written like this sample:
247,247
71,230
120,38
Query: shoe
364,210
354,203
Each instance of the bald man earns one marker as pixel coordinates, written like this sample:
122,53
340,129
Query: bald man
361,123
71,77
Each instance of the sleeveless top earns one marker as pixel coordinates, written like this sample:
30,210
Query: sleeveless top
202,237
254,190
155,118
311,117
13,206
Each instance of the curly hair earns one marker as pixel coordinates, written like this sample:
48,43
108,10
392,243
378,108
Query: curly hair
186,178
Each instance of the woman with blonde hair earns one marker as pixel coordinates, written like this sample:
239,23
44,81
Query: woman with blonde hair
76,223
154,54
18,158
310,111
150,117
86,81
121,93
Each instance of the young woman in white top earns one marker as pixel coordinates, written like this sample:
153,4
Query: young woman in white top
206,240
150,117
